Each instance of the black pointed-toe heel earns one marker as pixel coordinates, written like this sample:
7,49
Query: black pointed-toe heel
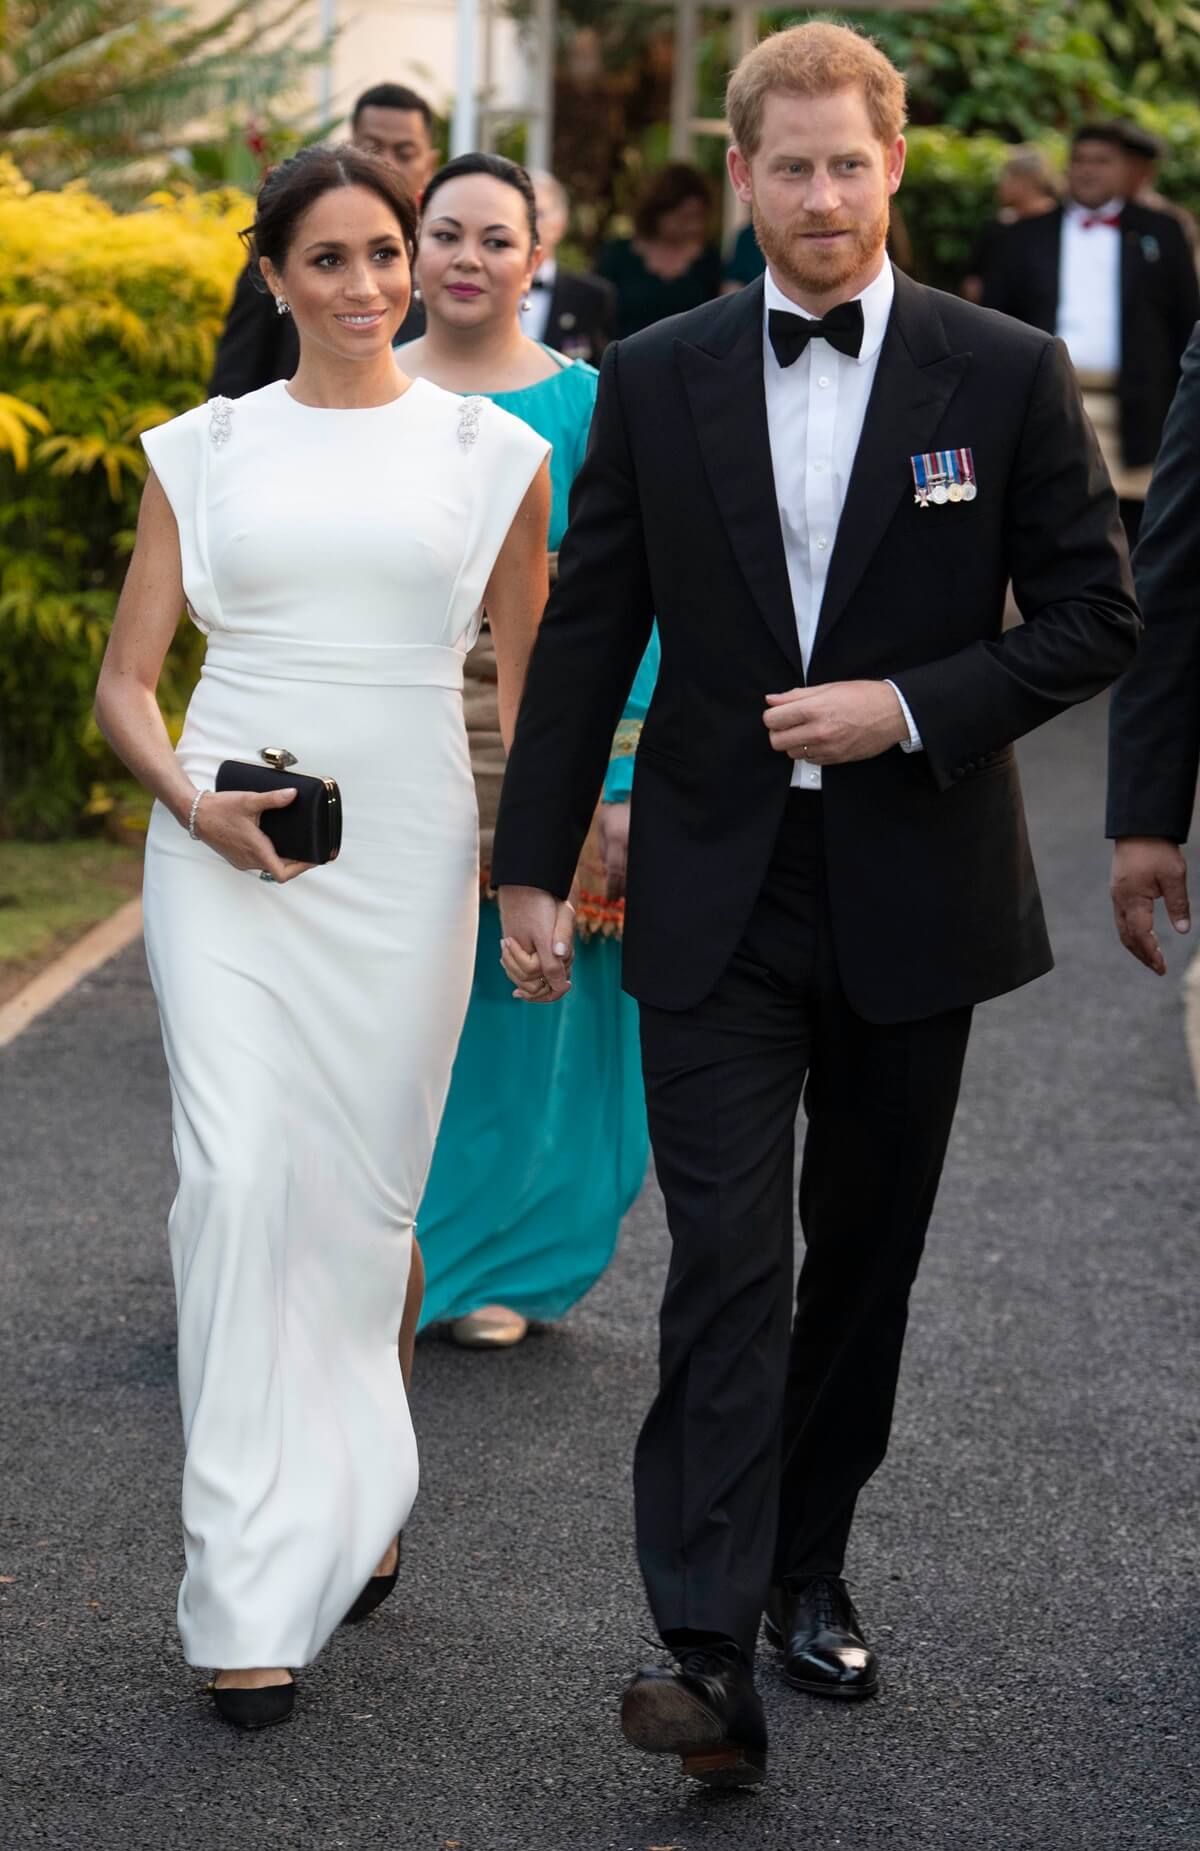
254,1709
375,1593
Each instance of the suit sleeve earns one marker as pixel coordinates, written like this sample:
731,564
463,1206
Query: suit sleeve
1185,288
1154,721
245,358
1070,573
593,636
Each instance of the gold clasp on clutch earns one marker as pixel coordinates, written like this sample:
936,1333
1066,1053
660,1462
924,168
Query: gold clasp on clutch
277,757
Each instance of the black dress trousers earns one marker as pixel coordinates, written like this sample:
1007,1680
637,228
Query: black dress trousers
766,1426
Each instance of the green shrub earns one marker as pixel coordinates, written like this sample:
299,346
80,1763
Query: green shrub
107,326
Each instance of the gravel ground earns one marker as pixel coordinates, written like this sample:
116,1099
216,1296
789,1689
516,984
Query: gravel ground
1026,1561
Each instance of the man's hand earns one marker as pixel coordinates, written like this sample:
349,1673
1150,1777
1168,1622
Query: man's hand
1146,869
614,847
536,943
836,724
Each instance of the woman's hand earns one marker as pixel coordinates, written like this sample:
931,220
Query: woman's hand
230,823
524,967
613,834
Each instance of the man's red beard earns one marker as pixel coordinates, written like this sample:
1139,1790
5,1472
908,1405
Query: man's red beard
816,269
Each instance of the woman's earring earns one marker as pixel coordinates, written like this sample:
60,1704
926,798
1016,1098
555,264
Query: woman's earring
282,307
525,305
416,294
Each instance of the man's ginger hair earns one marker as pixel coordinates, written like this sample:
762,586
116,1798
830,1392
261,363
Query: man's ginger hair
816,59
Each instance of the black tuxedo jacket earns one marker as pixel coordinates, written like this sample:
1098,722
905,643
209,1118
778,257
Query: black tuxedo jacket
1154,722
674,513
258,345
1160,302
583,316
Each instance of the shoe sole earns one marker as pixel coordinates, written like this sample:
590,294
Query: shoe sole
774,1638
664,1719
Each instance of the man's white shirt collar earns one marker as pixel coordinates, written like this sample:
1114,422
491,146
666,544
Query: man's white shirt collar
876,301
1111,209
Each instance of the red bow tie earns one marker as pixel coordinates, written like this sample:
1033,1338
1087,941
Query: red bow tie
1101,218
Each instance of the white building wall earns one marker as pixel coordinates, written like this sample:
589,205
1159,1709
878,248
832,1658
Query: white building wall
413,42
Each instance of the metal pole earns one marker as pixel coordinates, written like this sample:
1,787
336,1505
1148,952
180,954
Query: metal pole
463,132
539,146
328,18
683,80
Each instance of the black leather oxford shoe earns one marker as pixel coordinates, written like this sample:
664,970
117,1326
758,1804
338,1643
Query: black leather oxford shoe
814,1625
706,1711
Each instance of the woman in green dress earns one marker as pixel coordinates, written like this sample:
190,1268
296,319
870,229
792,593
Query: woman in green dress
532,1173
671,263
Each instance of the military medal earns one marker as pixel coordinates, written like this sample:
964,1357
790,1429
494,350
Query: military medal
943,477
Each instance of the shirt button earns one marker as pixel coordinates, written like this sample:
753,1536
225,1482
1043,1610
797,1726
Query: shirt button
820,468
822,544
823,380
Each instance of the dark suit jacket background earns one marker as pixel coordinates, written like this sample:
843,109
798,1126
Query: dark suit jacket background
1160,302
583,316
258,345
1154,721
931,885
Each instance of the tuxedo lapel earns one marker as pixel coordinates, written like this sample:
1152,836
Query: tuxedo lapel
726,389
915,380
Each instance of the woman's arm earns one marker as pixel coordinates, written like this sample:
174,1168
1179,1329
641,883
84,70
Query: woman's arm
127,710
516,597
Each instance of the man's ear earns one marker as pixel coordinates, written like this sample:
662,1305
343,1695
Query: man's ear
739,173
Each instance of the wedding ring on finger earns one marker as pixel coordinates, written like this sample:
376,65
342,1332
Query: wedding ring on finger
264,876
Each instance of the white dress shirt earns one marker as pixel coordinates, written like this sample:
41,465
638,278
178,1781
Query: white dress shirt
815,412
1089,288
534,319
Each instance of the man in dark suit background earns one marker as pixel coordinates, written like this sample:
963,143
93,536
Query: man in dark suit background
1115,280
574,313
822,486
1154,717
258,345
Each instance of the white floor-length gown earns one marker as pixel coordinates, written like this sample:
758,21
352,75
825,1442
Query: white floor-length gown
337,561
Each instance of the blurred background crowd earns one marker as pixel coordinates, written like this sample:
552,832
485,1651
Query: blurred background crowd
132,138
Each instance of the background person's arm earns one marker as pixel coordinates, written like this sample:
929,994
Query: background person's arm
1154,719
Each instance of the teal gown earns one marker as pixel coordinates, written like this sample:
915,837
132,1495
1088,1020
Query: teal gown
543,1145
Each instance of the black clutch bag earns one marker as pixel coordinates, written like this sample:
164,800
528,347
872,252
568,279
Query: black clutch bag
309,828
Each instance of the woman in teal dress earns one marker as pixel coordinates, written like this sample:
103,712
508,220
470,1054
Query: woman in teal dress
532,1173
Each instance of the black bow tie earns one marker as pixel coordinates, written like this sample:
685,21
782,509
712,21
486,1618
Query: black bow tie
790,334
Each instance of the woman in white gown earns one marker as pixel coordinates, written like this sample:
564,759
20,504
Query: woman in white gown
336,536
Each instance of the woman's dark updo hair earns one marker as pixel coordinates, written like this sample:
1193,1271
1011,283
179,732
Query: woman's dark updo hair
496,167
673,185
291,188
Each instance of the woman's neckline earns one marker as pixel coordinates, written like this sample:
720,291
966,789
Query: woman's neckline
562,364
349,410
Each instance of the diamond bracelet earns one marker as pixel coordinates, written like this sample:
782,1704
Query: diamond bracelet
191,821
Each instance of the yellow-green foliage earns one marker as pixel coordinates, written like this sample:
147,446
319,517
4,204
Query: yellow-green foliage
108,323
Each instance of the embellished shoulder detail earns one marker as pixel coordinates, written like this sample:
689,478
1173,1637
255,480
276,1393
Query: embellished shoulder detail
469,415
220,420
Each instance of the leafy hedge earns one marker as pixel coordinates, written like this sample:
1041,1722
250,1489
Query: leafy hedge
107,326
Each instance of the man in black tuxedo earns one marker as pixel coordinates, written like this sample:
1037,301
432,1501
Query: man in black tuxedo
258,345
1116,281
822,486
1154,718
576,314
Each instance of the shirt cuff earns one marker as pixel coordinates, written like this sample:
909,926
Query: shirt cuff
913,743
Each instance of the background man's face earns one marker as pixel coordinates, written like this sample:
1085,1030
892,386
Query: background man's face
551,218
399,137
1096,173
